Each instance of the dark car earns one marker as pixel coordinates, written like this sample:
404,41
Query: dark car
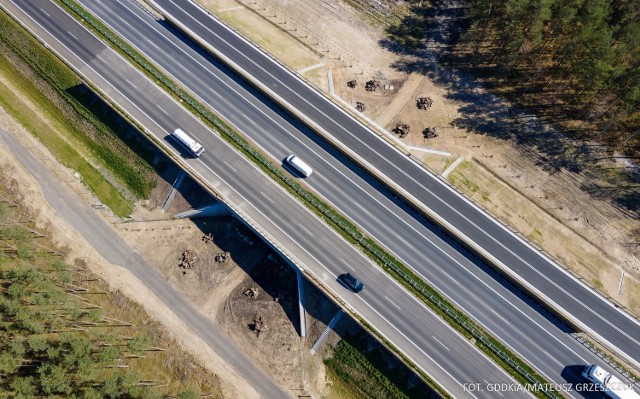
351,282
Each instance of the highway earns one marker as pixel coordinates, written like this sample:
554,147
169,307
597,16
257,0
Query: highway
578,302
301,236
84,219
528,330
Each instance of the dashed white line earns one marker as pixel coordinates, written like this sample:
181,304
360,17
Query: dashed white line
393,303
45,13
132,85
438,341
152,43
554,359
72,35
495,390
502,318
305,229
266,196
251,120
101,59
232,168
161,109
362,207
347,263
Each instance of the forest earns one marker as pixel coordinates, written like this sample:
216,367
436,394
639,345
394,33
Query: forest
575,62
63,335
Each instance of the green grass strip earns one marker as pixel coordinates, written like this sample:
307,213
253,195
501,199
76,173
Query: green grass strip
102,142
61,149
456,318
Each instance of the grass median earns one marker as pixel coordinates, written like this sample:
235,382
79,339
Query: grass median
430,296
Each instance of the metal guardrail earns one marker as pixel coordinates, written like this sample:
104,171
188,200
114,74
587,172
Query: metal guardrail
381,133
327,212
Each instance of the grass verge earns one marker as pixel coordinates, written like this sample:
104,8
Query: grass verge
369,373
431,297
81,117
61,149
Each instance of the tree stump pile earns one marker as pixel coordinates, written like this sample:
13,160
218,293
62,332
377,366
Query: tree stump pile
424,103
430,132
372,85
402,130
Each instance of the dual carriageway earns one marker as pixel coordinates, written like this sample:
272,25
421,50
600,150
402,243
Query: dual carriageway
531,332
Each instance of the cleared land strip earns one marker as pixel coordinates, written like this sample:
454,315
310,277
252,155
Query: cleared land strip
469,224
429,295
362,238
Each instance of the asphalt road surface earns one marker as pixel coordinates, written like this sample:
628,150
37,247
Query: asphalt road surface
532,333
113,248
305,239
567,293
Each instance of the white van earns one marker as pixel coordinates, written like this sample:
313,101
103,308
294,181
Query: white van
297,164
188,142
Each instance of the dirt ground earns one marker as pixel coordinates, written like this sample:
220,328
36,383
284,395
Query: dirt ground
117,277
330,35
215,288
592,237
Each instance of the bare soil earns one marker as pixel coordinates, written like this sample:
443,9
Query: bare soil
29,194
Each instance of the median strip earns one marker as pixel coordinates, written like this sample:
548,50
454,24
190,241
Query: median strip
429,295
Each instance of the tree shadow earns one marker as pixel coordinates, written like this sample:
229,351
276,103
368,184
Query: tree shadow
427,40
275,279
118,142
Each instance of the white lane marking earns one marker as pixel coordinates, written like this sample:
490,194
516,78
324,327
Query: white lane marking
45,13
214,92
393,303
347,264
152,43
162,109
266,196
442,184
497,391
356,185
438,341
132,85
73,36
231,167
366,193
361,207
437,364
102,59
562,365
305,229
502,318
